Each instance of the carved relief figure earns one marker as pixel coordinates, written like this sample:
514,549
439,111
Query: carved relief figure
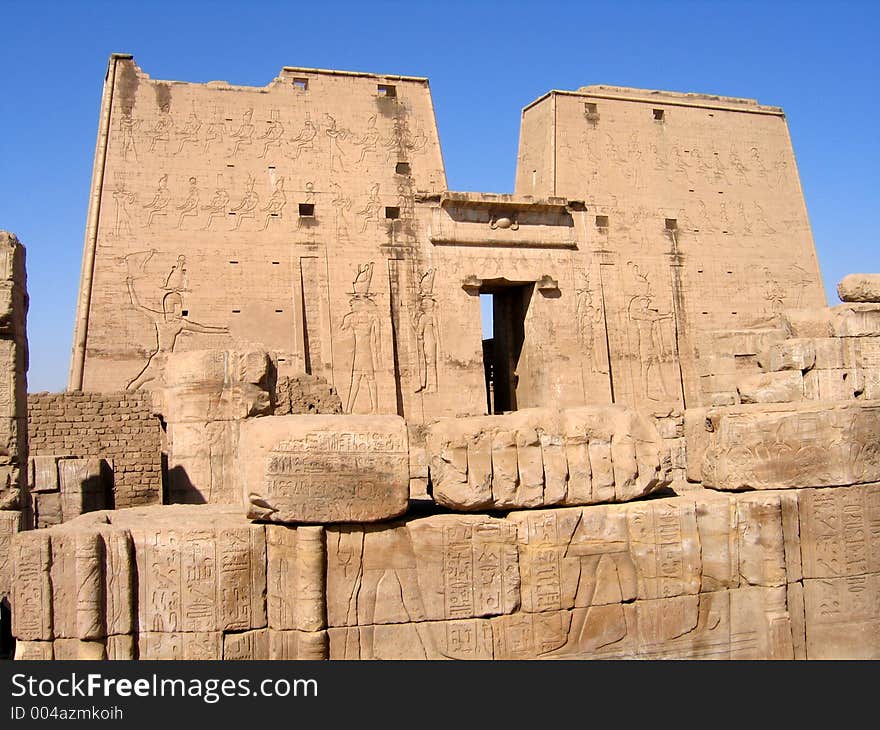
190,206
122,198
217,207
244,135
215,132
275,205
363,324
305,139
427,331
161,132
341,204
371,210
176,279
189,132
652,349
401,141
271,137
159,203
774,294
368,141
336,135
589,327
248,204
127,126
168,322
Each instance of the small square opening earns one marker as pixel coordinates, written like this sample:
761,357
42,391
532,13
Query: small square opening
306,210
658,115
233,262
387,90
184,313
301,84
402,168
392,212
671,224
591,110
602,221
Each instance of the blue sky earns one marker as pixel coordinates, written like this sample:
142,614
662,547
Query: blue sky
485,61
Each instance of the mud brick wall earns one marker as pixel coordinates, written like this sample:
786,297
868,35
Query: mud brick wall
119,427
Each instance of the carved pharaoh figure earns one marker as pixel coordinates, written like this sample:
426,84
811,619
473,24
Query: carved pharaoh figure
427,331
168,322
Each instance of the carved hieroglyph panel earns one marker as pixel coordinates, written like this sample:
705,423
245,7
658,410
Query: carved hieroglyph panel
200,579
768,447
324,468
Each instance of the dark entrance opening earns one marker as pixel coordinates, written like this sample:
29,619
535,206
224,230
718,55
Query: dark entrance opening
503,345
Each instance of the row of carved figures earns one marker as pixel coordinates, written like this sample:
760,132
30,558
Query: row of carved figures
168,137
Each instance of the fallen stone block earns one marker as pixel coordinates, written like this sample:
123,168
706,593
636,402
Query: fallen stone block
859,288
786,386
324,469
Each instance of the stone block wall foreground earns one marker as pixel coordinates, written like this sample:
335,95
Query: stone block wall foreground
287,438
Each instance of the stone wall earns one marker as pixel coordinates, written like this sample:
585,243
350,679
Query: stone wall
118,427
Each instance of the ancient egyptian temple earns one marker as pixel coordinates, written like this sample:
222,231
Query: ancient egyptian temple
288,435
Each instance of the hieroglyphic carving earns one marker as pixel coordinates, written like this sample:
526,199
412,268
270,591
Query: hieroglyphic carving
370,212
122,199
323,469
590,327
32,589
336,135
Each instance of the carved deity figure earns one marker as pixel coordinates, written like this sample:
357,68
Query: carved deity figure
168,322
159,203
275,205
368,141
190,206
271,137
370,211
189,132
362,321
217,207
244,135
305,139
161,132
246,208
589,327
427,331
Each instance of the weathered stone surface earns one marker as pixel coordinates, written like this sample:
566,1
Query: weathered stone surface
11,522
808,322
859,288
833,385
305,394
539,457
797,354
775,387
301,469
776,446
856,320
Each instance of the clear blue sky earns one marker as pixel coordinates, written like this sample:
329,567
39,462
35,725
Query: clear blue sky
485,60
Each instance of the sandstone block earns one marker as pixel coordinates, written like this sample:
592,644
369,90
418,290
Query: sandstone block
786,386
778,446
538,457
859,288
808,322
324,469
796,354
856,320
837,384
